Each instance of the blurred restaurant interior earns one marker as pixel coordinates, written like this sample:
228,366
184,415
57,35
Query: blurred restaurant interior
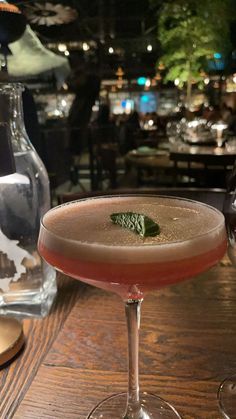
118,96
114,99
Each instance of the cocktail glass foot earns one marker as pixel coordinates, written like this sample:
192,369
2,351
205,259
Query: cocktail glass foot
150,407
227,397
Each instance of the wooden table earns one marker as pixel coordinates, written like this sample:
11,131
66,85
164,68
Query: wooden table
77,355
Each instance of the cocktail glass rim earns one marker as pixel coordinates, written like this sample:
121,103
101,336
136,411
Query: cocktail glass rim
169,244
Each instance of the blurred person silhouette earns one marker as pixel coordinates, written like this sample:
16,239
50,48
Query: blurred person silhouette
226,113
103,128
128,133
232,122
214,114
86,86
103,148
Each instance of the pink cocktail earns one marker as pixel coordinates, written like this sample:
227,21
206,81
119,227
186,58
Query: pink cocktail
80,240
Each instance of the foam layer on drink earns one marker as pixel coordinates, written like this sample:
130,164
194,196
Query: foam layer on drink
83,230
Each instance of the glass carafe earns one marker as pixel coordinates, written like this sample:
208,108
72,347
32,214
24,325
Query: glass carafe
27,283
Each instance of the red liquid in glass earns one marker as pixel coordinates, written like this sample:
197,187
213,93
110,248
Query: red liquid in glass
80,240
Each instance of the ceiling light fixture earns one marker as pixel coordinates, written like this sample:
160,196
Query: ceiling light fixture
85,46
49,14
62,47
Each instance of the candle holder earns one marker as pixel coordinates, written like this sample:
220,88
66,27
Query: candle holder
219,127
11,338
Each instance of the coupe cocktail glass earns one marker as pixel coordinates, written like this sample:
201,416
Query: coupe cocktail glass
227,389
80,240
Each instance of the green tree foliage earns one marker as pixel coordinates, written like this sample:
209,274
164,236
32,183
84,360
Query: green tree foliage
190,32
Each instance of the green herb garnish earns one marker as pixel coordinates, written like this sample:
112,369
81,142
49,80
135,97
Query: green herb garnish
138,223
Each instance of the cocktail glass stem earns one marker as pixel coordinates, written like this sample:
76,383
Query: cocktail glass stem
134,408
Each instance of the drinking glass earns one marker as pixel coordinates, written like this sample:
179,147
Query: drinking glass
80,240
227,389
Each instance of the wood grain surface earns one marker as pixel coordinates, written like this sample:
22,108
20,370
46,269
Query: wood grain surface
77,355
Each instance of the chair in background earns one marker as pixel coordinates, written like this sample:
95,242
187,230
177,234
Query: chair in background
55,154
103,155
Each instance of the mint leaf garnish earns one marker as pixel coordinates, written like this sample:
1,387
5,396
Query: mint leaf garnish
138,223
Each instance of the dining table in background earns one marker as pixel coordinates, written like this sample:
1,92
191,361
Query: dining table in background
77,355
182,163
210,165
149,165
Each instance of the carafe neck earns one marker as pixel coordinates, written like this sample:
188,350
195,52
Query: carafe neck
11,113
